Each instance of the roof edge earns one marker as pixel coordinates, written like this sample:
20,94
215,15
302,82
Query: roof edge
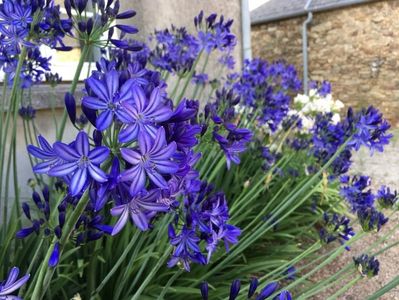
327,7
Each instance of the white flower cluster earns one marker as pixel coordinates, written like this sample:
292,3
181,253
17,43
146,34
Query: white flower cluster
308,106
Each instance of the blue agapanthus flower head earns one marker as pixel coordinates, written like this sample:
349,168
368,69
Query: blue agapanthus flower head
335,227
386,198
367,265
356,191
371,219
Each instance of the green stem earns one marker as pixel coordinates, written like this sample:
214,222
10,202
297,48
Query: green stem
46,273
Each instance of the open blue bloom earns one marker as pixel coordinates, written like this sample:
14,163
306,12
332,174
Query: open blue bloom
186,248
138,208
81,163
355,193
12,284
142,118
367,265
106,95
154,159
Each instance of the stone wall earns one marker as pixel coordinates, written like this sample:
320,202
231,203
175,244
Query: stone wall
356,48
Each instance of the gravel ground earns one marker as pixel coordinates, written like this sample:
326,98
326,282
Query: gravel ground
383,168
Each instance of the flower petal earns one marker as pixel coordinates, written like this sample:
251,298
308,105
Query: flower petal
78,181
82,144
104,120
98,88
98,155
167,167
112,80
129,133
66,152
157,179
94,103
139,97
130,156
122,221
97,174
63,169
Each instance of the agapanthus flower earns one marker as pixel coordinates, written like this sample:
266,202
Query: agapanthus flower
153,159
107,95
186,248
75,160
176,50
335,227
138,209
142,117
367,265
27,112
386,198
371,219
12,283
267,88
354,190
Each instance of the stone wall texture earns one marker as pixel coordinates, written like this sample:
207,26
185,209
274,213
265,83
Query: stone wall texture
356,48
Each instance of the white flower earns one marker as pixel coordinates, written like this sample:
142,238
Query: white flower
301,99
338,105
307,124
313,92
335,119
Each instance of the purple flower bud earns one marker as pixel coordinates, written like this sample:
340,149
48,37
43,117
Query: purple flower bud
82,26
89,26
234,289
252,287
97,137
127,28
61,219
267,291
26,209
46,193
70,105
126,15
68,7
37,200
58,232
55,256
204,290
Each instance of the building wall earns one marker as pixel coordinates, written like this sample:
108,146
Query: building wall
356,48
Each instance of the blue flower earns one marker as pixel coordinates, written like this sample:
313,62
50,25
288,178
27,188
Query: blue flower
12,284
335,227
153,159
371,219
139,209
80,163
367,265
142,118
386,198
106,95
186,248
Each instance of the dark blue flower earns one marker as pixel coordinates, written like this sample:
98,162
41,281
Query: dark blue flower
55,256
371,219
335,227
234,289
386,198
367,265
